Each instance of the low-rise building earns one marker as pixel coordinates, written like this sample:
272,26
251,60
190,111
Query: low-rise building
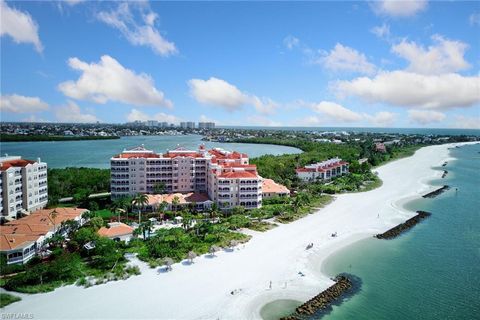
272,189
21,239
23,186
117,231
324,170
380,147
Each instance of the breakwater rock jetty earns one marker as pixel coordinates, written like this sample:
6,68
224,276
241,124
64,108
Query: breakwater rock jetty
436,192
445,172
445,163
410,223
322,300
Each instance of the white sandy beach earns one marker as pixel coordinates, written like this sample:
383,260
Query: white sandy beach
202,290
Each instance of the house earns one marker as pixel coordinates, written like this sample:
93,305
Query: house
380,147
21,239
117,231
272,189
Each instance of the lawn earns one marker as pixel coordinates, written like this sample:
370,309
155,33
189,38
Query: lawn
6,299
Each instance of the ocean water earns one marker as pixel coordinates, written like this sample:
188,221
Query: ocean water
423,131
430,272
97,153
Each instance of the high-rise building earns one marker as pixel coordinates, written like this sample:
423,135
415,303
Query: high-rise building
226,177
206,125
187,125
23,186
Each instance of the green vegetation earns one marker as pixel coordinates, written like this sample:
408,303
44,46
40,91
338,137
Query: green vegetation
78,183
22,137
71,262
6,299
176,243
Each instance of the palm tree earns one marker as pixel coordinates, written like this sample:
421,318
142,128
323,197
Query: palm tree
213,211
140,201
159,188
175,203
161,209
53,215
116,207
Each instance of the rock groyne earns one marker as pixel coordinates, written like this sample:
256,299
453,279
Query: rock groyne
445,172
437,192
323,300
410,223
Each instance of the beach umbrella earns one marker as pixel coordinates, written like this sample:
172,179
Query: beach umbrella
168,263
214,249
191,255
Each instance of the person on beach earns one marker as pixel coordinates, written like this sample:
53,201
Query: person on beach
270,285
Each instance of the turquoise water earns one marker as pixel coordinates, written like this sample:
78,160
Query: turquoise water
97,153
432,271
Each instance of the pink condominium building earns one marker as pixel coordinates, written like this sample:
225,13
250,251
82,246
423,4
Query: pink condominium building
324,170
225,177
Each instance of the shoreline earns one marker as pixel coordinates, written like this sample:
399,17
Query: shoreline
278,255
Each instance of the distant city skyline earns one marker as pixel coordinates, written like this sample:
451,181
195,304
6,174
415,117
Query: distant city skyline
318,64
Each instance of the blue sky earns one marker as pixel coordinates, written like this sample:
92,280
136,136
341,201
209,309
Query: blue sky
384,63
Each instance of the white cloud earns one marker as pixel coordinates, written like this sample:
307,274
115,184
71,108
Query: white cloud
19,26
258,120
336,111
218,92
34,118
464,122
406,89
424,117
442,57
136,114
20,104
399,8
310,121
71,113
382,118
382,31
204,118
343,58
291,42
138,33
474,19
73,2
108,80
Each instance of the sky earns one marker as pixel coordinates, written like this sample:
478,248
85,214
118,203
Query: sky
320,64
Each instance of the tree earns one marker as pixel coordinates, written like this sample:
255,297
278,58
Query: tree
140,201
161,209
159,188
96,223
53,215
175,203
214,211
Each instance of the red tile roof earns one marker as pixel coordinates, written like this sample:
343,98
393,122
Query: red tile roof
137,155
15,163
21,231
270,186
116,229
238,174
